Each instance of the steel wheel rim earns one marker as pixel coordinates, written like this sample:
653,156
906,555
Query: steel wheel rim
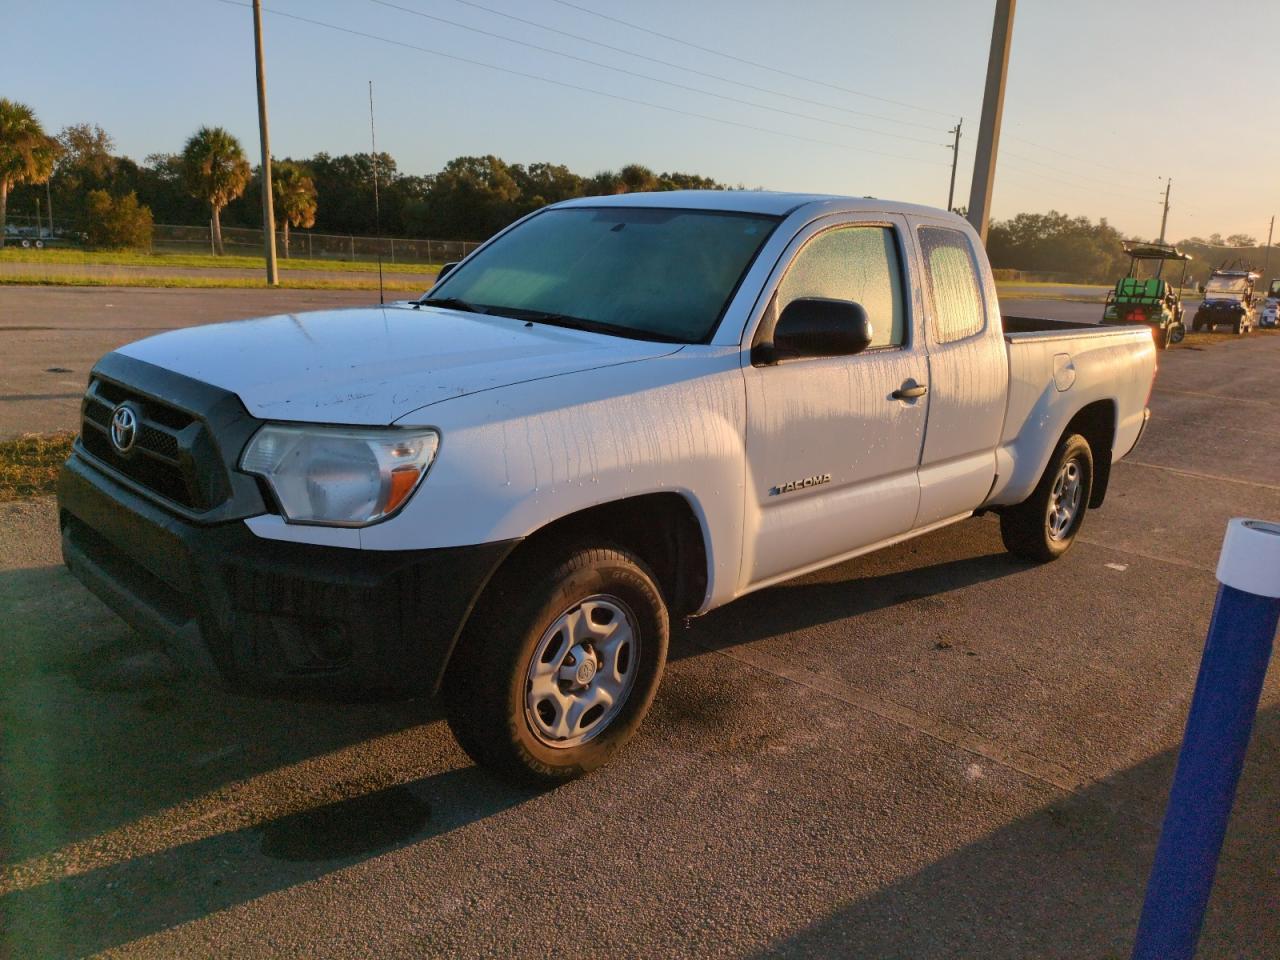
1064,500
582,670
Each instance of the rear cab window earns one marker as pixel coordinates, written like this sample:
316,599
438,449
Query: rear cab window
956,307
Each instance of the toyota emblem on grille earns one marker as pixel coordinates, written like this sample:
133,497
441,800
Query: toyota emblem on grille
124,428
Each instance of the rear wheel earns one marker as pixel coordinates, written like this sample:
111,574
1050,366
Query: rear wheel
1177,333
1044,526
559,664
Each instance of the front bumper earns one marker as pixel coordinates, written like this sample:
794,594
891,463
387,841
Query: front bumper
266,615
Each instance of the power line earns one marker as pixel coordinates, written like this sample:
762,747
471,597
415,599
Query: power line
701,73
744,60
1072,156
1050,166
1041,178
573,86
645,76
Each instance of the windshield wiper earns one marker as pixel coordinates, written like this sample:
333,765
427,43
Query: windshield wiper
582,323
453,303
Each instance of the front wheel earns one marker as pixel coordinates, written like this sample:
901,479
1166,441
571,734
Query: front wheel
559,664
1044,526
1177,333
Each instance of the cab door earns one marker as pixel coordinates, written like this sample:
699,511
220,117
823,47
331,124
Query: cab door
968,372
833,443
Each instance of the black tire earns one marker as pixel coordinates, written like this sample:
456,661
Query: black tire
1177,333
484,691
1026,528
1238,327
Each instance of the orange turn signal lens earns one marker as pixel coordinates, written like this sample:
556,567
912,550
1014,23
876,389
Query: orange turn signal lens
403,480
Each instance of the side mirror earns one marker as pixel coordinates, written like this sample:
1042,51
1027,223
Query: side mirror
816,327
445,270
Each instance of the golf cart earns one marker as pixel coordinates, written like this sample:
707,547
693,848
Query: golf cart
1271,307
1152,300
1228,300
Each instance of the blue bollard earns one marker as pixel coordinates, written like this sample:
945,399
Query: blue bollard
1236,654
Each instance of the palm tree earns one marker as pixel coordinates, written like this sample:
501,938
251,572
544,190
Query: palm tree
215,171
27,153
295,196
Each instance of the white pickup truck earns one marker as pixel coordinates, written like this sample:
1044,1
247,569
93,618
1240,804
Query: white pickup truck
615,414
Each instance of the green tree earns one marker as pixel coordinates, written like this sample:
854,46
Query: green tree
115,223
472,197
295,197
215,170
1055,244
27,153
86,150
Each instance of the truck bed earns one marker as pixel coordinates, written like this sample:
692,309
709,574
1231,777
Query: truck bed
1041,324
1057,367
1042,328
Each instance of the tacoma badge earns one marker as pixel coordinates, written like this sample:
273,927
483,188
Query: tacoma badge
813,481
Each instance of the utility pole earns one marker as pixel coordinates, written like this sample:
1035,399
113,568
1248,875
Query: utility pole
955,159
1266,254
984,165
1164,217
268,205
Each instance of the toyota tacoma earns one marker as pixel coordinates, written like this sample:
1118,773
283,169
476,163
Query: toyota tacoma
616,414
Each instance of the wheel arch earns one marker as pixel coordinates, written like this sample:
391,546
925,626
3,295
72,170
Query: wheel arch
1096,422
662,529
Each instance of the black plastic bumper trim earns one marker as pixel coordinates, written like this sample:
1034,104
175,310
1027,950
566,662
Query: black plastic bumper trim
268,615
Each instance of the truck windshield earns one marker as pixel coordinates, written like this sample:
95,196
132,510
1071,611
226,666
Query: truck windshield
639,272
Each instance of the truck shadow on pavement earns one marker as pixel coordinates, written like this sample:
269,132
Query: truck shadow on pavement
1068,881
843,592
133,800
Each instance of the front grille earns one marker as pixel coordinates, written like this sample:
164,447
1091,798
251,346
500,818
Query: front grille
173,455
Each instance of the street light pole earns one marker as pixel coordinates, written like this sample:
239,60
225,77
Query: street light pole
955,160
1266,254
984,164
268,205
1164,217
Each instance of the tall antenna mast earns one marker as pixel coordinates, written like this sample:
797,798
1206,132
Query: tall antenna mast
377,208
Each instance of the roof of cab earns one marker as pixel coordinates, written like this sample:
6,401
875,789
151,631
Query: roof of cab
751,201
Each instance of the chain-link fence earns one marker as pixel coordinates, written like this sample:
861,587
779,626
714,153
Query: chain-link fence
306,245
245,241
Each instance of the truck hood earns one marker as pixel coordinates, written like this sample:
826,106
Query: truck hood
374,365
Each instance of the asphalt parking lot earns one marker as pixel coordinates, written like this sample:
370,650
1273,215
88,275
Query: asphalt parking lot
934,751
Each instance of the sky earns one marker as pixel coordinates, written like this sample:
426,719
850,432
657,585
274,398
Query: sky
857,97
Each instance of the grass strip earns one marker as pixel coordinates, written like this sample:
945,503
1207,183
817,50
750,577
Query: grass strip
29,464
239,283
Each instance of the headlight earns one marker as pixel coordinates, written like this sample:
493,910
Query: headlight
338,476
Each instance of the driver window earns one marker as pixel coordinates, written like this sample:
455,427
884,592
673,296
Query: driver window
852,263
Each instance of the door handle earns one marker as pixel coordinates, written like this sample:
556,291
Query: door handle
909,391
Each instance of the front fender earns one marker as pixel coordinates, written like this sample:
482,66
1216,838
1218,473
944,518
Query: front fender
515,459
